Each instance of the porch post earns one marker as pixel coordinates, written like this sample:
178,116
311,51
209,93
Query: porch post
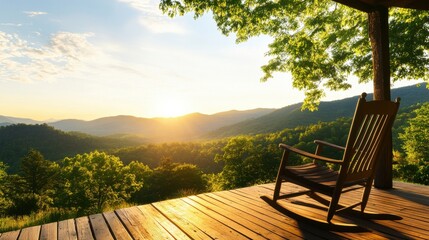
379,37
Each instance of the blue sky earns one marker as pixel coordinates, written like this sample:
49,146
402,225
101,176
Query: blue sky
87,59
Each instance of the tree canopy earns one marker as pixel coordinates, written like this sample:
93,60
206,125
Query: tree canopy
416,136
91,180
320,42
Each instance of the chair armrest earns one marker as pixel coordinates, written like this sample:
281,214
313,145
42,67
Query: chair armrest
320,142
310,155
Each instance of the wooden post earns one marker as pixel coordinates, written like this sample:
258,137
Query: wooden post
379,37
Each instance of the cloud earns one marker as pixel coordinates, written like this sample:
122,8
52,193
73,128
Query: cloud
23,61
11,24
34,14
152,18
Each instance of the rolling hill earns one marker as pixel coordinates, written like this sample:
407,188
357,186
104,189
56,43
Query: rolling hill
5,120
292,116
187,127
17,139
200,126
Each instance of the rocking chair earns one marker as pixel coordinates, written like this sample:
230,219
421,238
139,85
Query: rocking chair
371,123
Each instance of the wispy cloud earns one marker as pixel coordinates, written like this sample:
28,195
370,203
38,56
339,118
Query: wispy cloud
152,18
34,13
11,24
22,61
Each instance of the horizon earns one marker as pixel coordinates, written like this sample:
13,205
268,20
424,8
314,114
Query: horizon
87,60
186,114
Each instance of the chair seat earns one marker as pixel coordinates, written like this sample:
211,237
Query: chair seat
313,176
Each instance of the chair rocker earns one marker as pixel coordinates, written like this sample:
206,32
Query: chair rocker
371,123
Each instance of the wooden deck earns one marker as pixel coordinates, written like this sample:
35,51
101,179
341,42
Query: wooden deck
242,214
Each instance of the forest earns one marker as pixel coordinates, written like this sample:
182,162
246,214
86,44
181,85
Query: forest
49,183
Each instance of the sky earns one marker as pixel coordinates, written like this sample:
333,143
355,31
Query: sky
86,59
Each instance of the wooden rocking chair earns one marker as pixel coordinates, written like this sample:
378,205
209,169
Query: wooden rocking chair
371,123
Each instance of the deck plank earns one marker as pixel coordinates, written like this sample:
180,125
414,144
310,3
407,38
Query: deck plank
99,227
180,221
208,225
12,235
83,228
242,214
270,215
415,222
384,228
412,188
49,231
30,233
132,223
118,229
317,213
243,194
251,222
67,230
174,231
274,222
250,233
141,225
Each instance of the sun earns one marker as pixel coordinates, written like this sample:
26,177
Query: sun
171,106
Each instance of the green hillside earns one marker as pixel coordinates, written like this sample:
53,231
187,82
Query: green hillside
17,140
292,116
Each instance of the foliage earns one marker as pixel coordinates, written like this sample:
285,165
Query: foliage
38,173
319,42
415,138
416,135
90,181
247,162
39,218
32,189
252,160
17,140
200,154
4,201
170,180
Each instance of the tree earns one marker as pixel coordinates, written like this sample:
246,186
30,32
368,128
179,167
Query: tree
30,191
416,136
170,179
5,202
39,174
319,42
415,139
248,161
92,180
22,202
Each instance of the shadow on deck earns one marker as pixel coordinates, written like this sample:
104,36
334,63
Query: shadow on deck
242,214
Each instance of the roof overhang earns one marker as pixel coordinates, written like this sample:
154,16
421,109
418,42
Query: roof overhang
371,5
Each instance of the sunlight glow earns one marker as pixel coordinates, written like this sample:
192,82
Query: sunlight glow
171,106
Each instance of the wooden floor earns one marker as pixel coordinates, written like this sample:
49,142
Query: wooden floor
242,214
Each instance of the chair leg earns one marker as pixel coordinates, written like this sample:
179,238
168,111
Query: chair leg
280,174
365,194
334,203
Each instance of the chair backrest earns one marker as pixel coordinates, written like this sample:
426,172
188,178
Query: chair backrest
371,123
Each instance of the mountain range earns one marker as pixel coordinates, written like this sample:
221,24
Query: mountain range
187,127
224,124
292,116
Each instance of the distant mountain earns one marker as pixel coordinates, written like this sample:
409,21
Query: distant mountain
5,120
187,127
231,123
292,116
